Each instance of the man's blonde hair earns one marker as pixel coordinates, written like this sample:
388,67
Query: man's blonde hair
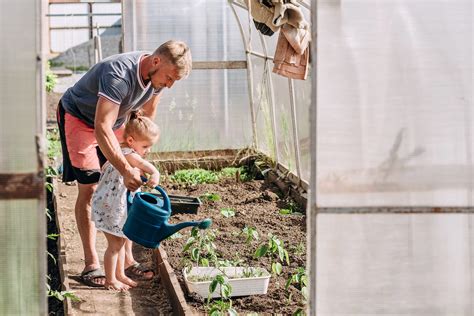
178,54
141,127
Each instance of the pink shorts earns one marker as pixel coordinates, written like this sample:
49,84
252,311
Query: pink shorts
82,158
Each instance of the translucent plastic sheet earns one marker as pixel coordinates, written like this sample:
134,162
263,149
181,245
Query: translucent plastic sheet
21,278
395,112
395,265
209,27
209,110
69,35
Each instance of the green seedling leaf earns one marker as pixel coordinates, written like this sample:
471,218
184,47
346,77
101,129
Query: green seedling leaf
285,211
213,286
277,268
195,254
261,251
52,236
227,212
213,197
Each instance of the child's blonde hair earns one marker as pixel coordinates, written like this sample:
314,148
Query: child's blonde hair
141,127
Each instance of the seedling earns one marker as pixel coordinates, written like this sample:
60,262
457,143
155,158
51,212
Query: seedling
200,247
194,176
292,209
250,233
299,278
228,212
275,249
250,272
213,197
224,305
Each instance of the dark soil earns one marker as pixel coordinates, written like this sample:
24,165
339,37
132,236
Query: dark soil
256,204
55,306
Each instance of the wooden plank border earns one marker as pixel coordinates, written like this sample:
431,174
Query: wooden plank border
16,186
171,284
62,262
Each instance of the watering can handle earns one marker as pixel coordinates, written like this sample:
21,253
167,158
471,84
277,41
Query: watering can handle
166,199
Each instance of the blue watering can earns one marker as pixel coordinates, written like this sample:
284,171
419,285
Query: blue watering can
147,220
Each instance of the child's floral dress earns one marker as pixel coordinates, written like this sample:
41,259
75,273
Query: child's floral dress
109,202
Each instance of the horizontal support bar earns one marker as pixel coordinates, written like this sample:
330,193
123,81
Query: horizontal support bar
236,64
82,14
83,27
15,186
260,55
395,210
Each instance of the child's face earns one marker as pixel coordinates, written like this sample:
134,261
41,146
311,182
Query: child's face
141,146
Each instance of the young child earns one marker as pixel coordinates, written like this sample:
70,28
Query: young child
109,204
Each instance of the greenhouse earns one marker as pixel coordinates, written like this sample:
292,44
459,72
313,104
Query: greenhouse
310,158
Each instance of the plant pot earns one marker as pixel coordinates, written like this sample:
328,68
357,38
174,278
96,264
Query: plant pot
199,278
183,204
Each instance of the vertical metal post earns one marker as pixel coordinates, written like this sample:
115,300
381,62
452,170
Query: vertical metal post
296,140
249,78
312,209
97,46
225,72
91,26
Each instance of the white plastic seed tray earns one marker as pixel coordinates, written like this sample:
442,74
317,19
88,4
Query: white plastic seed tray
241,286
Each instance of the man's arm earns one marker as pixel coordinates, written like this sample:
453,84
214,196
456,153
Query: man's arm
149,109
105,117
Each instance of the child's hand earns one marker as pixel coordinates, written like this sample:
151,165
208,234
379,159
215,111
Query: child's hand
153,180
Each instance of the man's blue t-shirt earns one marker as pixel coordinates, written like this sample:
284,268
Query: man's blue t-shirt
116,78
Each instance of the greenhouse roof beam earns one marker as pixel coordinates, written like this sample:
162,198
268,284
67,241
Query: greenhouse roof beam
234,64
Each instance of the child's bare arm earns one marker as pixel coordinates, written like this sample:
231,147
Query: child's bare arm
138,162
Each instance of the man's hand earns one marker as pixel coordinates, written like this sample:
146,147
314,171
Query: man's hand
131,179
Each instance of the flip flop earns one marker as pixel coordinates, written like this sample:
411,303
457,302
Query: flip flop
88,277
137,271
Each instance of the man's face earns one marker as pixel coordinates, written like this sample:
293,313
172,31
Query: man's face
162,74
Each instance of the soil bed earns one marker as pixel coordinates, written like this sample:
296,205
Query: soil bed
256,204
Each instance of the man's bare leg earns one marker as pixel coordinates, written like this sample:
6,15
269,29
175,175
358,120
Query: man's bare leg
130,261
87,229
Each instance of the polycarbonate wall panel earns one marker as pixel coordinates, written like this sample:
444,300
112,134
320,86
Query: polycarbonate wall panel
22,227
20,263
395,264
209,110
263,114
302,105
395,112
284,125
62,39
208,27
18,88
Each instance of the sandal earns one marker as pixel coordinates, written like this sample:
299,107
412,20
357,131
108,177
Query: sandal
137,271
88,277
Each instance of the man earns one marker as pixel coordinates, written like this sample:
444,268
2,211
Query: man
90,117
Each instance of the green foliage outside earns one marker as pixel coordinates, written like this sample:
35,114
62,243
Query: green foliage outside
51,78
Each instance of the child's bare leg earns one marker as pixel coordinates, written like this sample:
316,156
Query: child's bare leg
120,270
111,256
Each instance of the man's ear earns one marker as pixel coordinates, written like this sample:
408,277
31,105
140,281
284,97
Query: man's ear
156,61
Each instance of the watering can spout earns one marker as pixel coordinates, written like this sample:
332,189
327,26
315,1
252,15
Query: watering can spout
173,228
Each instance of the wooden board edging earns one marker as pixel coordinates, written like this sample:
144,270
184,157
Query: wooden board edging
171,284
62,263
